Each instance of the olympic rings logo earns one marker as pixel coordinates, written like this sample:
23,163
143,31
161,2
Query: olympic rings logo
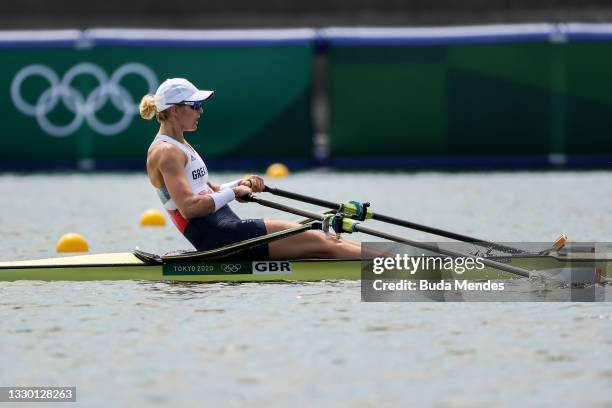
83,107
231,268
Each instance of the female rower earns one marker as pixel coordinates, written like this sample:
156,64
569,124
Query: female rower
199,208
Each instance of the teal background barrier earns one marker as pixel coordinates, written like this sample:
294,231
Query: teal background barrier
260,110
498,96
534,95
588,99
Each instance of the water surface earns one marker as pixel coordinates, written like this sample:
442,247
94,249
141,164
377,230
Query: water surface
155,343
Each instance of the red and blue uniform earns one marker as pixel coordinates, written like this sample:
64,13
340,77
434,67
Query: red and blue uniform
215,230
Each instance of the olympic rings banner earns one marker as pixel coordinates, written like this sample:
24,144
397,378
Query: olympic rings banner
82,108
66,103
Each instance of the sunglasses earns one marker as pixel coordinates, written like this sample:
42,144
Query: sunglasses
195,105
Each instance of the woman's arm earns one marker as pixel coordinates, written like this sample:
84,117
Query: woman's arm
171,164
254,182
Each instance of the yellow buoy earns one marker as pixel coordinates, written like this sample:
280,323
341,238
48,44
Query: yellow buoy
152,218
277,170
72,242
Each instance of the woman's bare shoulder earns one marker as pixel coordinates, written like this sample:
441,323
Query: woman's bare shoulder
163,150
165,155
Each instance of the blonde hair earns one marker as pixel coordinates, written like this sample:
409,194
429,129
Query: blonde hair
147,109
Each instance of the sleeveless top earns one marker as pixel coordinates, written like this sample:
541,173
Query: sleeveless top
215,230
196,173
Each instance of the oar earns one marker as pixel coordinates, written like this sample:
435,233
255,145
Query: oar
391,220
350,225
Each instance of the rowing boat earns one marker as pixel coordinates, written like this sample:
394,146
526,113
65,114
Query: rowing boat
140,265
571,264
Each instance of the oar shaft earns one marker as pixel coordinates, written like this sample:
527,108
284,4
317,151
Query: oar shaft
434,248
425,228
303,198
286,208
395,221
384,235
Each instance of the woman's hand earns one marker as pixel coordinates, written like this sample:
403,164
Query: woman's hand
254,182
241,191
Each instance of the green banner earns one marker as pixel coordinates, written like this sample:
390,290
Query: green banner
507,98
68,104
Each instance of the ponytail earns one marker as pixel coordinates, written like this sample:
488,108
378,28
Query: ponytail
147,107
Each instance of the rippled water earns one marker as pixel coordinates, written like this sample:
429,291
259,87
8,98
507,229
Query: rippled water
143,343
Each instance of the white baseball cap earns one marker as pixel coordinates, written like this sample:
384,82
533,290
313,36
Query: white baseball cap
176,90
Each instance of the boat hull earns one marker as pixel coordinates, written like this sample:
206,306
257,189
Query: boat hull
126,266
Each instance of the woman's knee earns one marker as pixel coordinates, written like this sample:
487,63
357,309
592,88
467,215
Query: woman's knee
278,225
328,246
308,244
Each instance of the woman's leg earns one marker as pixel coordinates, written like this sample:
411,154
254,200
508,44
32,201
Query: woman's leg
309,244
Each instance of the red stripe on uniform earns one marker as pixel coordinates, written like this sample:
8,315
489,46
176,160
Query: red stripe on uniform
178,220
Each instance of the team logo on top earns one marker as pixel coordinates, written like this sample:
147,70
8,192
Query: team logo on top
84,107
196,174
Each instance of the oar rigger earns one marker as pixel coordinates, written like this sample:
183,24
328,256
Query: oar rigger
340,223
357,210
